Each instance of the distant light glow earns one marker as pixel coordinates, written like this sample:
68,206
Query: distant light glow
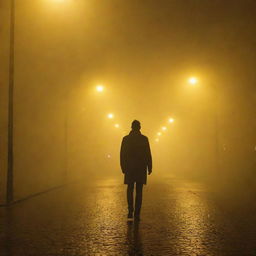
193,80
108,156
99,88
110,116
159,133
59,1
156,140
164,128
117,125
171,120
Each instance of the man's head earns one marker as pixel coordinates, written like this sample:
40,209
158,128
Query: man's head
136,125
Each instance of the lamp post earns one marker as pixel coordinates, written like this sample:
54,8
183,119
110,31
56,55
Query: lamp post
9,190
193,81
10,158
216,113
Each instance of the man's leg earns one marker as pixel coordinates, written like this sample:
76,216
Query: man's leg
130,188
138,201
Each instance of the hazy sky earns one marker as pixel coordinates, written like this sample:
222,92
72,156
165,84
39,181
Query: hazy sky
143,52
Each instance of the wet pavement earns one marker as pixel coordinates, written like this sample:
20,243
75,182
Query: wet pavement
178,218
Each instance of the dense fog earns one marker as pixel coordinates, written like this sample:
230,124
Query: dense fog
143,54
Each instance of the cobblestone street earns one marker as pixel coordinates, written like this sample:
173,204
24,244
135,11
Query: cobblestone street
178,218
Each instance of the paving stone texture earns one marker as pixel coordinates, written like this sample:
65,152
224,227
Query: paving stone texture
178,218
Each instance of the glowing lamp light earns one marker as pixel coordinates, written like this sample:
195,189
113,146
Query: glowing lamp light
99,88
110,116
159,133
59,1
117,125
171,120
164,128
192,80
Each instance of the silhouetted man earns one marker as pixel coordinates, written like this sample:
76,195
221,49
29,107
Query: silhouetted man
136,161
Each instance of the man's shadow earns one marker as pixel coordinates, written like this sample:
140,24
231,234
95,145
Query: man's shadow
135,246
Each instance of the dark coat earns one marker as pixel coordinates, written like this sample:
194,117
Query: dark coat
135,158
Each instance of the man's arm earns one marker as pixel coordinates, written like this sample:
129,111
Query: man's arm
149,158
122,156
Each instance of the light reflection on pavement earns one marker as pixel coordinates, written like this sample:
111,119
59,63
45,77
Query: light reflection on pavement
178,218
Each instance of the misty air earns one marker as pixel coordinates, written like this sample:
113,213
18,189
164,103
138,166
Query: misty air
127,127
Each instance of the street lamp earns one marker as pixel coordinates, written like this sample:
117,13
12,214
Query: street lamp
100,88
110,116
59,1
171,120
193,80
